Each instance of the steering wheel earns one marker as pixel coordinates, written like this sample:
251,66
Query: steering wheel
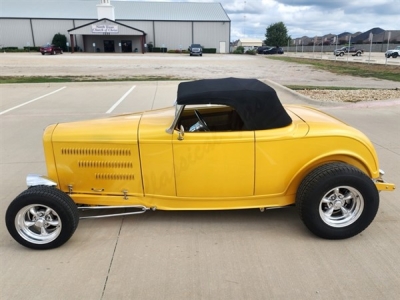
201,120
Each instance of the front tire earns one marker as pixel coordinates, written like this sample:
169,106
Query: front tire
341,54
394,55
42,218
337,201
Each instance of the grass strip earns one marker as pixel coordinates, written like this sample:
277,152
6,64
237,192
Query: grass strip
387,72
55,79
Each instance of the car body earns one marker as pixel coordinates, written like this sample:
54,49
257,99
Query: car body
50,49
273,50
196,50
226,144
353,50
394,53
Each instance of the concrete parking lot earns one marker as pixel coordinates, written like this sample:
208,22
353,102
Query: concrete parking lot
190,255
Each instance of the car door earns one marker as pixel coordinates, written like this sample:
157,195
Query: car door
214,164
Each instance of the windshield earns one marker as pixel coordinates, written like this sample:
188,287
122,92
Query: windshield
196,46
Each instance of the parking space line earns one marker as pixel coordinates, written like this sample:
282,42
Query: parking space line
120,100
30,101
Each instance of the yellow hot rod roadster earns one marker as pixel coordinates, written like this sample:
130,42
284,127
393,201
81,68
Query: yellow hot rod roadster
233,136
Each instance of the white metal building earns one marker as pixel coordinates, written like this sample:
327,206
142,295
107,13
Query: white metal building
116,26
250,44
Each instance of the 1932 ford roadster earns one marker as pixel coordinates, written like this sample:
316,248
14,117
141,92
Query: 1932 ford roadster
242,146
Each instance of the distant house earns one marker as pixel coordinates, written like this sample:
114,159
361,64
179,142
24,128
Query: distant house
393,36
249,44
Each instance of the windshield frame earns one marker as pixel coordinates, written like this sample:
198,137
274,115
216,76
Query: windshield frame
178,110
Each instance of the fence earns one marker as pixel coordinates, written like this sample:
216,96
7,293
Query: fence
331,48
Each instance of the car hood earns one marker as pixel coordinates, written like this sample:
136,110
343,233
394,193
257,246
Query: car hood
119,129
99,153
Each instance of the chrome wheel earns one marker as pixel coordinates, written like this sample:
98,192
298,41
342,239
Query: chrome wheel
337,201
341,206
38,224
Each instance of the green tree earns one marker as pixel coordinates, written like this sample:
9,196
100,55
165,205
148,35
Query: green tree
60,40
276,35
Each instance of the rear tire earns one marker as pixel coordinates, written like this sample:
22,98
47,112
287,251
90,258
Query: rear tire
341,54
42,218
394,55
337,201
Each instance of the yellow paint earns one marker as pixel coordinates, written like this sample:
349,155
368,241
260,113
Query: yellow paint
132,160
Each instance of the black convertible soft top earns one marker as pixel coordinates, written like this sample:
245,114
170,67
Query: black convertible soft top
257,103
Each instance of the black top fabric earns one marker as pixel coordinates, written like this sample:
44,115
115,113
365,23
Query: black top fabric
257,103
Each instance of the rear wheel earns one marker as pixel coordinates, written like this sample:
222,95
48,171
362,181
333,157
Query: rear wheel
358,54
42,218
341,53
337,201
394,55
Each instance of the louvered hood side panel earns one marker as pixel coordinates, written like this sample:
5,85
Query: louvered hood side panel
99,156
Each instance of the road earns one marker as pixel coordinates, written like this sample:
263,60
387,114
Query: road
190,255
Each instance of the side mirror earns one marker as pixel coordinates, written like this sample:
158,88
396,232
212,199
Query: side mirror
181,133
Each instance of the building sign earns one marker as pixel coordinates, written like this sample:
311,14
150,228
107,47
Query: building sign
104,29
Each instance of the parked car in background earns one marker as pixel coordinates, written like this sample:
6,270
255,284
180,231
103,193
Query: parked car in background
262,48
273,50
393,53
352,50
196,49
50,49
226,144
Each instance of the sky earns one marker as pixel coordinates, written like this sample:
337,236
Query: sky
250,18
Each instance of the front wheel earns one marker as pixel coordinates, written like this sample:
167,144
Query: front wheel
337,201
42,218
341,54
394,55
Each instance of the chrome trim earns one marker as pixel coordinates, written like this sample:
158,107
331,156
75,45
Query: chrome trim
143,210
171,129
38,224
380,179
36,180
341,206
181,133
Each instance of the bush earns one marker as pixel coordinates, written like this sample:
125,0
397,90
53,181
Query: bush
209,50
251,52
240,48
159,49
33,49
10,49
60,40
237,52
